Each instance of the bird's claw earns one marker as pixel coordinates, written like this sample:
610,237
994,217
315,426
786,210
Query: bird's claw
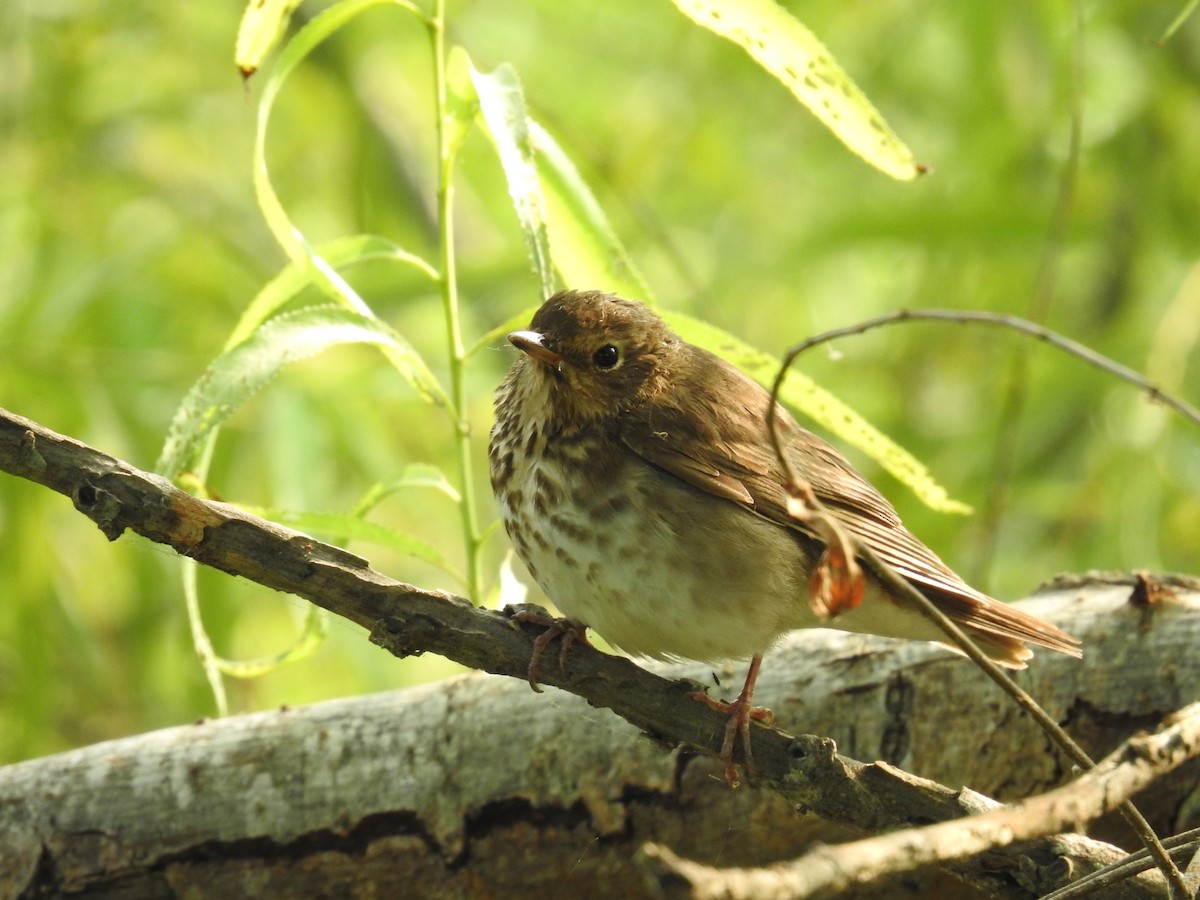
741,712
569,630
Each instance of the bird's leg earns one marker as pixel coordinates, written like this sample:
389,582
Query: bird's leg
570,630
740,712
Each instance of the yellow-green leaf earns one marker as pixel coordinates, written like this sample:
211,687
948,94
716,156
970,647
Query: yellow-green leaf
349,526
414,475
1184,14
238,373
495,337
797,58
263,24
584,246
338,253
502,104
462,102
316,629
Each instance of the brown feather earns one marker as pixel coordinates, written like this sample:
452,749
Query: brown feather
605,388
692,433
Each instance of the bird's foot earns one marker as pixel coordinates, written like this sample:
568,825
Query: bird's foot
741,712
570,630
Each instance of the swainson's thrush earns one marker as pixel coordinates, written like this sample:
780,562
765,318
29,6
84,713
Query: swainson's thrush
638,483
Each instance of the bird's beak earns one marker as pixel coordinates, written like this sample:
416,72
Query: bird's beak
534,345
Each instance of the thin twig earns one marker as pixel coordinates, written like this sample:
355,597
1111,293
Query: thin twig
903,588
1179,846
1136,820
999,320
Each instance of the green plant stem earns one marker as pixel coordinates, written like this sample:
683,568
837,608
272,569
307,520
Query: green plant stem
449,289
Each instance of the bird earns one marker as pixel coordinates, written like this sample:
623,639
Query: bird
637,481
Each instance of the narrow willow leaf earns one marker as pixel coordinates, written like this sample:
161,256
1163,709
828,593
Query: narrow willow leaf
239,373
462,102
201,642
263,24
318,270
398,352
794,55
306,40
350,527
249,353
414,475
1184,15
316,629
583,244
339,253
818,404
502,104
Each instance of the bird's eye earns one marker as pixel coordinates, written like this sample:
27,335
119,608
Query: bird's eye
606,357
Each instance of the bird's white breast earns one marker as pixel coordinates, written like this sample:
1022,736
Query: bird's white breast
655,566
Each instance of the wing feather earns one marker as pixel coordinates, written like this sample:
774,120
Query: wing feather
695,433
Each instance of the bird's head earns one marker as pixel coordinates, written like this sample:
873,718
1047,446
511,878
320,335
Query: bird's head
593,354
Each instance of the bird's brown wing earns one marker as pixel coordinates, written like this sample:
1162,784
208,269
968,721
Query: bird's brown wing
697,434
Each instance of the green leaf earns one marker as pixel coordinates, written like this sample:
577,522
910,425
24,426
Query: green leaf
794,55
462,101
306,40
583,244
316,629
318,270
238,373
818,404
419,475
263,24
502,104
339,253
298,250
348,526
1177,22
201,642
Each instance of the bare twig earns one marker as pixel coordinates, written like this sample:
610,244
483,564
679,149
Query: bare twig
1129,769
1180,846
1022,698
902,587
997,320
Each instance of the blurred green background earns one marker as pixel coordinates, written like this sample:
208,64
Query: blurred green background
130,241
